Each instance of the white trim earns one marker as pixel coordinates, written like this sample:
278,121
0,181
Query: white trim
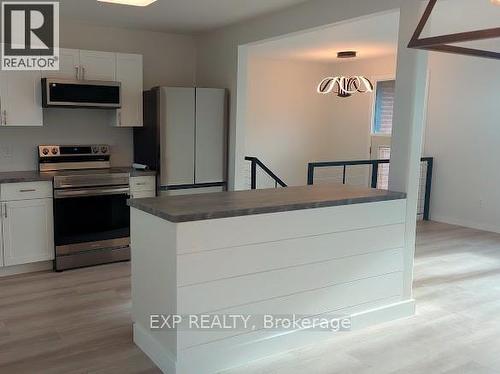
237,144
237,182
148,344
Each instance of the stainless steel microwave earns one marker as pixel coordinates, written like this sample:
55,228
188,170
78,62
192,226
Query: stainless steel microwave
80,94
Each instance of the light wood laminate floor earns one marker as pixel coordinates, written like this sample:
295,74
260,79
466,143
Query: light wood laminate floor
79,321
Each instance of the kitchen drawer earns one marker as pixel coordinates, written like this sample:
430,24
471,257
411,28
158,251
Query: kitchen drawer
146,183
25,191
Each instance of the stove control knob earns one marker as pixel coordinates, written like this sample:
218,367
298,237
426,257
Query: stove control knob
95,149
55,151
104,149
45,151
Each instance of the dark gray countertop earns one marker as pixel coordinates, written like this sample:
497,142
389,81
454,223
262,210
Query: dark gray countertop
24,176
37,176
241,203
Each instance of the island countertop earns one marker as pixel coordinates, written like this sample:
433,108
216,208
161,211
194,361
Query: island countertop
198,207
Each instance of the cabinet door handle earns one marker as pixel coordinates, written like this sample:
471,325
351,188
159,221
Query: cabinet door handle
77,72
83,73
28,190
5,210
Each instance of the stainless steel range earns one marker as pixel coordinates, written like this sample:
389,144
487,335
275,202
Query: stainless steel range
91,216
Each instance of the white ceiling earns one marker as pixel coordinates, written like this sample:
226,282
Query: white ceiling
371,37
183,16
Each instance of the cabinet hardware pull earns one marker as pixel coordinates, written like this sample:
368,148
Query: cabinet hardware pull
5,210
77,72
28,190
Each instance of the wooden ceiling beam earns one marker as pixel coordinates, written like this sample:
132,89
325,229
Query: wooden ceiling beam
442,43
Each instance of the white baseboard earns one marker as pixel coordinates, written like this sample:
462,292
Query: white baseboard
233,352
153,349
26,268
383,314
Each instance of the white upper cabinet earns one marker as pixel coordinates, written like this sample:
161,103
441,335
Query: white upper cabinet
21,98
21,91
69,65
130,73
98,66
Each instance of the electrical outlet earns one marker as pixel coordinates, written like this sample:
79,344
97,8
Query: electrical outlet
6,151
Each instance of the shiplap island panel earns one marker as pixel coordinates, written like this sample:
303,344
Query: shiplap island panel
307,251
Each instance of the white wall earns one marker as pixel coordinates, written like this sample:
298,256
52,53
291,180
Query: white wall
169,59
463,134
289,125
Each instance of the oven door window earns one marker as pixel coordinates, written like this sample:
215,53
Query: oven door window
91,219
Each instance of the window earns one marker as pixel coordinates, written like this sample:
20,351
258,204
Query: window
384,107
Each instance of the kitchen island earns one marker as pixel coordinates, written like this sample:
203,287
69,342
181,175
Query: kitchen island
323,250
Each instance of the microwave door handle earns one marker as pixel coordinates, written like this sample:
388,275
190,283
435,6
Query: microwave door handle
65,194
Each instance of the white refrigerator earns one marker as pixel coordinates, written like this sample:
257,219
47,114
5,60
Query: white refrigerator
184,139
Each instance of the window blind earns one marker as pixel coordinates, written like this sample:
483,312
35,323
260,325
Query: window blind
384,107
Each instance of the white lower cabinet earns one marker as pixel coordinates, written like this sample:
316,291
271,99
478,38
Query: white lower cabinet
27,231
27,234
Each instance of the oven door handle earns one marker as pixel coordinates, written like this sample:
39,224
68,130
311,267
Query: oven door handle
65,194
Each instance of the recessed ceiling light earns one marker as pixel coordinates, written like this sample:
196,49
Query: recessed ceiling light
129,2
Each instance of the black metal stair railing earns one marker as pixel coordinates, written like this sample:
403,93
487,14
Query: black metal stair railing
255,162
427,161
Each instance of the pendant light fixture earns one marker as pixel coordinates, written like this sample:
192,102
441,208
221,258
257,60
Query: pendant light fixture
345,86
